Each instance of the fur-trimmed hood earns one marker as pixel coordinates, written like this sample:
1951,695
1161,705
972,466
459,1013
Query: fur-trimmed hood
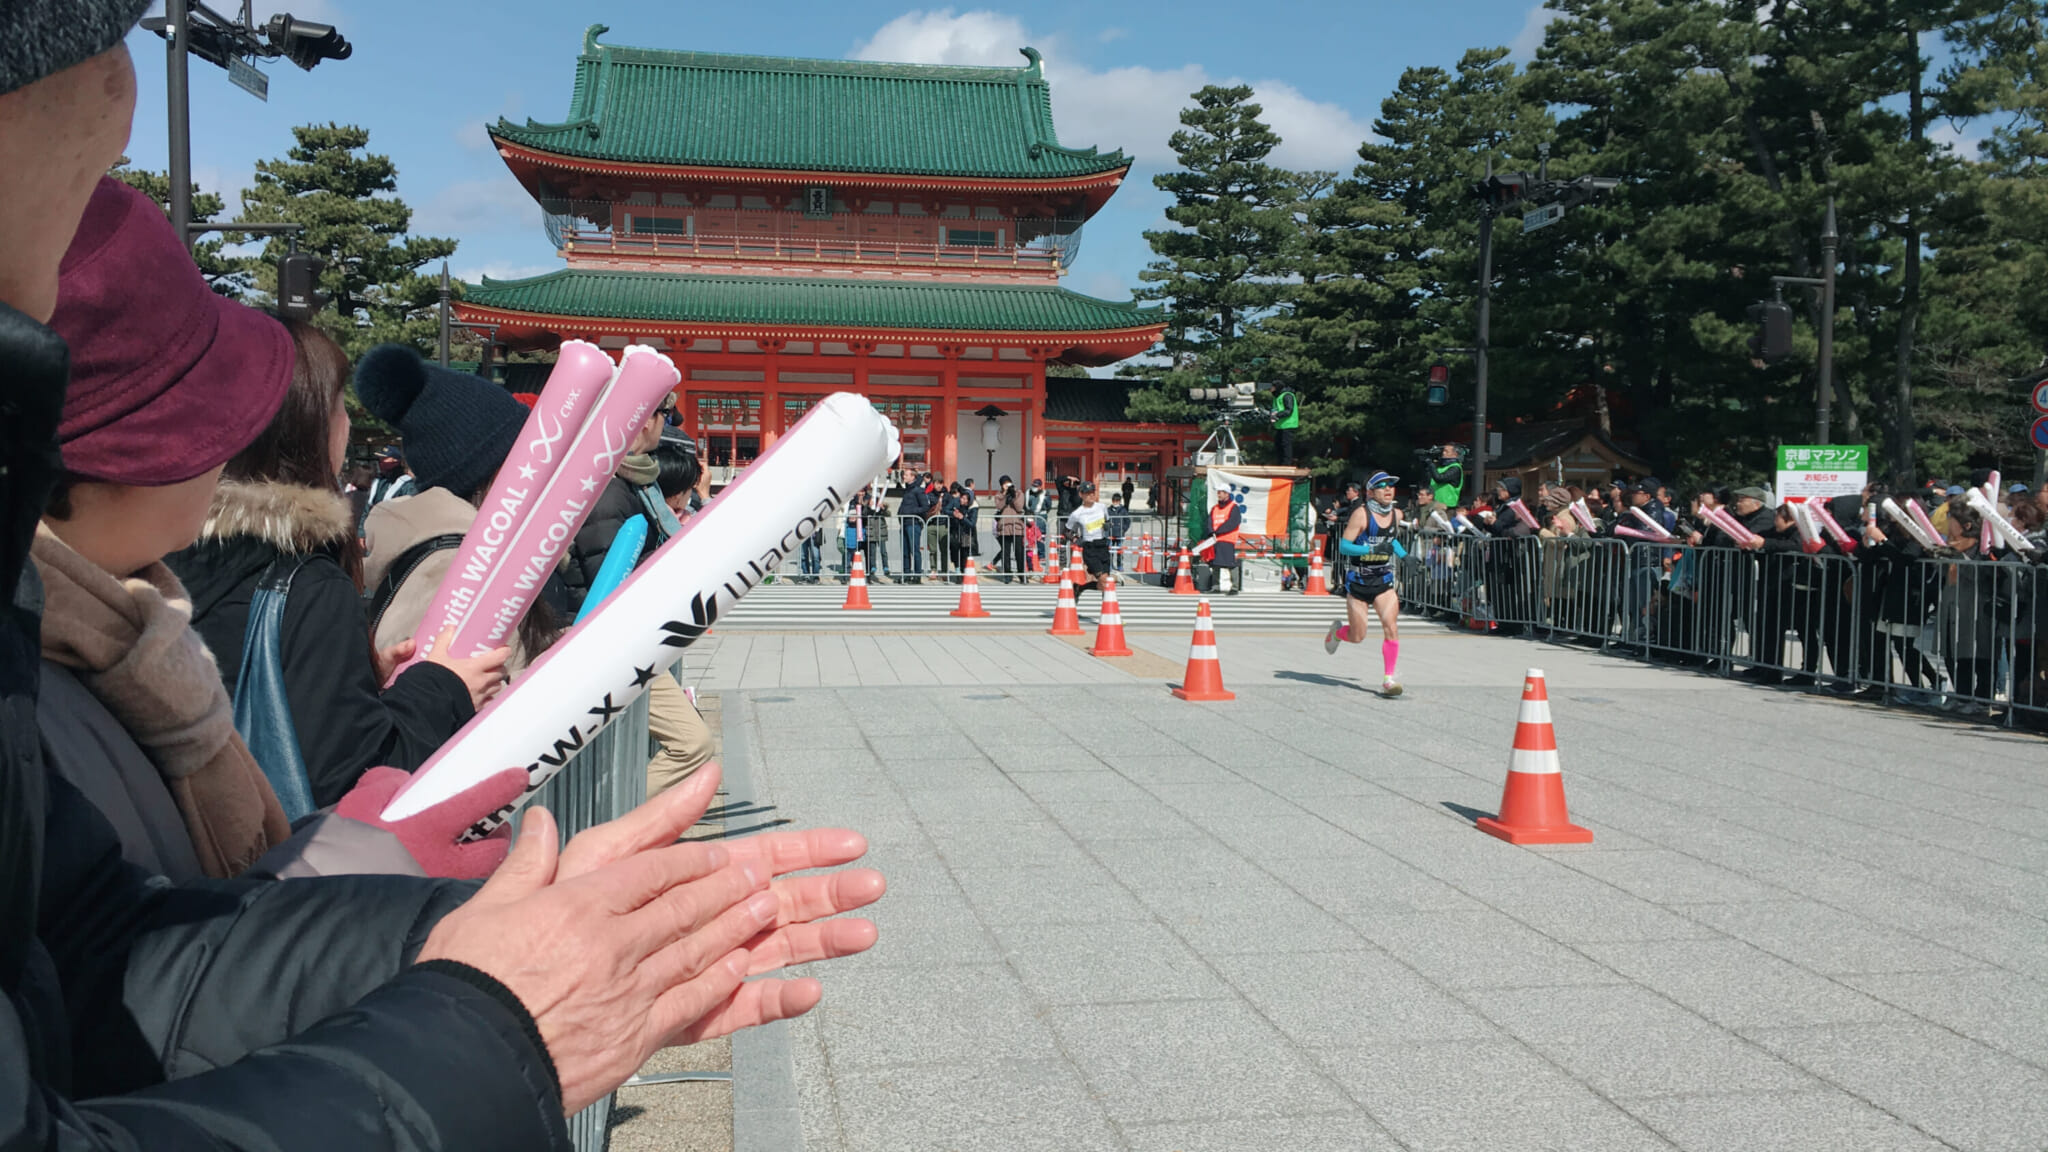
291,518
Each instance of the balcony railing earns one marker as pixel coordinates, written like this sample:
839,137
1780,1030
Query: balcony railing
846,238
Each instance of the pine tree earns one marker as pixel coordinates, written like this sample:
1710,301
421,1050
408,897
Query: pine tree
377,277
1226,264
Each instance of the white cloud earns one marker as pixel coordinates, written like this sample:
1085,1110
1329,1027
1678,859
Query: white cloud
1530,38
499,270
1946,134
1134,107
491,205
1111,35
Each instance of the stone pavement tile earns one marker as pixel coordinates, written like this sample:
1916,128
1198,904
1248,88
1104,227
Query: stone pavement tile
1829,1121
924,932
916,772
1627,1041
1189,1060
1385,812
850,760
1946,1085
1480,1094
1005,1106
799,733
1576,909
913,871
1213,804
2006,1010
872,1016
1077,895
1036,754
1107,963
883,819
1237,934
1738,985
1242,891
992,844
1309,784
1372,884
1332,999
942,806
1173,770
1159,862
1095,787
1339,1132
1480,948
814,1090
1826,940
1273,840
1146,819
1671,878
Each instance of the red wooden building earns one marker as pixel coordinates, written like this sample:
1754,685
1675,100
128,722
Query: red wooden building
788,228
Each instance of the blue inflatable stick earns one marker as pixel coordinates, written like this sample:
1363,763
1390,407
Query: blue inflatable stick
618,561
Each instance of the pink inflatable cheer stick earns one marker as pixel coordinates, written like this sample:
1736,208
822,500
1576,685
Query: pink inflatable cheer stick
1629,533
1826,519
1522,512
1926,536
1735,529
565,502
1926,525
1657,531
1585,517
572,389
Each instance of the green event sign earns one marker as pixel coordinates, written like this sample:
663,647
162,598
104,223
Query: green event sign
1814,458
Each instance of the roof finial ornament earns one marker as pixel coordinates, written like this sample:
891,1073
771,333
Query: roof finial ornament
1036,68
590,35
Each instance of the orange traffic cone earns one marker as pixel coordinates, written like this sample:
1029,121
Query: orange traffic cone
857,588
1053,568
1317,585
1066,619
1143,566
1204,679
1109,630
970,595
1077,569
1532,806
1184,580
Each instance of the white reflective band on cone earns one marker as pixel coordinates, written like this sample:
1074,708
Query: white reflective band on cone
1534,712
1535,763
1202,652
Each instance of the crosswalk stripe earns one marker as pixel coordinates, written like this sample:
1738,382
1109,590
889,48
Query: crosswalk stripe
786,606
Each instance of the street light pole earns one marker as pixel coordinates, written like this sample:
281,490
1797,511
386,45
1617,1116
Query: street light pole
444,313
1828,240
179,99
1479,352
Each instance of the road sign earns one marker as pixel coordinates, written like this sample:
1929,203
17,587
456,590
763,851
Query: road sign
1542,217
2041,396
2039,433
1819,471
248,78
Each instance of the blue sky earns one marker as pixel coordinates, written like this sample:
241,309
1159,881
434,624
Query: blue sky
427,76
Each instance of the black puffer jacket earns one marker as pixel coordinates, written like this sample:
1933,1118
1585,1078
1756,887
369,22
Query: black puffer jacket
617,504
135,1015
346,725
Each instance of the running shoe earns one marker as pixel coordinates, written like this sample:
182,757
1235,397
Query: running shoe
1390,687
1330,640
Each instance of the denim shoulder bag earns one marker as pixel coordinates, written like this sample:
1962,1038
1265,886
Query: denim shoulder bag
263,712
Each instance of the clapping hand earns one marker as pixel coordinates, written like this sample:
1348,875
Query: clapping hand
625,941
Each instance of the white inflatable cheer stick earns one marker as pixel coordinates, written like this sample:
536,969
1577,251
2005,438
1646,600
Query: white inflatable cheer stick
603,663
1926,537
1997,523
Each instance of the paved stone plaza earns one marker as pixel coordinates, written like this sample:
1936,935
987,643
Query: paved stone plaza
1118,921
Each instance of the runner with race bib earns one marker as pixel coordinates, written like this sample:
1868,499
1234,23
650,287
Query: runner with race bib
1368,549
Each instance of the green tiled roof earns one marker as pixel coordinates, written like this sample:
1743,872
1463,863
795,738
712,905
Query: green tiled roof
821,301
654,106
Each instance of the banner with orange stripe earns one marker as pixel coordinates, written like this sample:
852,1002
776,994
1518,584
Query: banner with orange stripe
1265,500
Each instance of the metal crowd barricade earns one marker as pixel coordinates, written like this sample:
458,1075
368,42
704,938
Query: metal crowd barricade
603,782
1964,633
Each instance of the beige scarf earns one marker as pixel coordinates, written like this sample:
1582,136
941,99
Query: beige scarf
132,645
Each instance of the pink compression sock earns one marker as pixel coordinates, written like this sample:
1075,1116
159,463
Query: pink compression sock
1390,654
1344,633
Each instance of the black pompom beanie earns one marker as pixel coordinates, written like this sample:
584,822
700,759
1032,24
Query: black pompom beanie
40,38
458,428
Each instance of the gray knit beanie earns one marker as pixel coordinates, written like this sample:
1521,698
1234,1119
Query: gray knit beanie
41,38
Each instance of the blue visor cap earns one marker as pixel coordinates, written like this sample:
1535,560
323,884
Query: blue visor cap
1382,480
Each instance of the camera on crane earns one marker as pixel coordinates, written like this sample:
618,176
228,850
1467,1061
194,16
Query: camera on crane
1236,398
1233,402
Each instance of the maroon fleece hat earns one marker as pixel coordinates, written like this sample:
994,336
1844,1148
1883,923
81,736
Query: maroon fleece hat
168,380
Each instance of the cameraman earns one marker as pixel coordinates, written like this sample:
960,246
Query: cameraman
1446,475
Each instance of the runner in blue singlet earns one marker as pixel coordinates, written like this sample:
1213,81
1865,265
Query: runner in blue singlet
1367,549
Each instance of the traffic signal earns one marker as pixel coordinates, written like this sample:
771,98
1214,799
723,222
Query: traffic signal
1773,339
304,42
298,285
1439,391
1503,190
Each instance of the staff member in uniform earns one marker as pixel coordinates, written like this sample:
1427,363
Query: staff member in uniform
1226,519
1286,418
1090,525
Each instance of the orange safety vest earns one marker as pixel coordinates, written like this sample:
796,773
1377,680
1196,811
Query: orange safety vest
1218,513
